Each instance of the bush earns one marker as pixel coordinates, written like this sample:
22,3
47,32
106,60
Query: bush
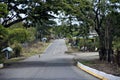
18,34
90,44
17,48
116,47
21,35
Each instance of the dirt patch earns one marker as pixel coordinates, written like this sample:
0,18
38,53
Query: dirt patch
106,67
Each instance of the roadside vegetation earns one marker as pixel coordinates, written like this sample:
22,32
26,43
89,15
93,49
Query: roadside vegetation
25,21
22,41
102,66
35,48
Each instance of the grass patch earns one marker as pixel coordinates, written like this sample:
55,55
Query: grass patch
14,60
86,62
37,48
34,49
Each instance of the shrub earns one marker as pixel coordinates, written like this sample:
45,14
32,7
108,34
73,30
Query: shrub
17,48
3,37
21,35
18,34
89,43
3,41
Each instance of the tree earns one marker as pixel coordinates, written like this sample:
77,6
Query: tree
96,14
3,37
99,12
29,10
3,10
78,10
114,25
103,27
43,29
18,34
3,31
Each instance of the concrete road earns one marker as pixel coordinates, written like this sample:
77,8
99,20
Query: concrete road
52,65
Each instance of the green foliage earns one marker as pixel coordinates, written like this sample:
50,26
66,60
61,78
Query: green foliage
3,10
17,48
14,36
3,32
33,9
90,43
18,34
116,43
3,37
113,20
115,1
3,41
43,29
31,32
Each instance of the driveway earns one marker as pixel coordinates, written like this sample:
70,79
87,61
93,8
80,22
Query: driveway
52,65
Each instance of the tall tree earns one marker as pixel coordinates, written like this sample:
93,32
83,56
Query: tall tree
101,9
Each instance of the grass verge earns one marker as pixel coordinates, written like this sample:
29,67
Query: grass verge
86,62
34,49
104,66
37,48
14,60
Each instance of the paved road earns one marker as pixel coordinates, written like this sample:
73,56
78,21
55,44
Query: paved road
52,65
86,55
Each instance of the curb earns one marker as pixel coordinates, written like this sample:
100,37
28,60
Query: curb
81,66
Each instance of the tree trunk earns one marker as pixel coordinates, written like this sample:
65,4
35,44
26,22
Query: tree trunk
102,51
105,52
108,40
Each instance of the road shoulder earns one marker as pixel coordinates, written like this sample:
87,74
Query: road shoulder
92,56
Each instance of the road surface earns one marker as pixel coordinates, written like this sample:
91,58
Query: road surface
52,65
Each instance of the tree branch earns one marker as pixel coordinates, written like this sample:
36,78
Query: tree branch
16,21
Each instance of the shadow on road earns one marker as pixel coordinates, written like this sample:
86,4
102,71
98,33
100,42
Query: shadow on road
41,79
50,63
